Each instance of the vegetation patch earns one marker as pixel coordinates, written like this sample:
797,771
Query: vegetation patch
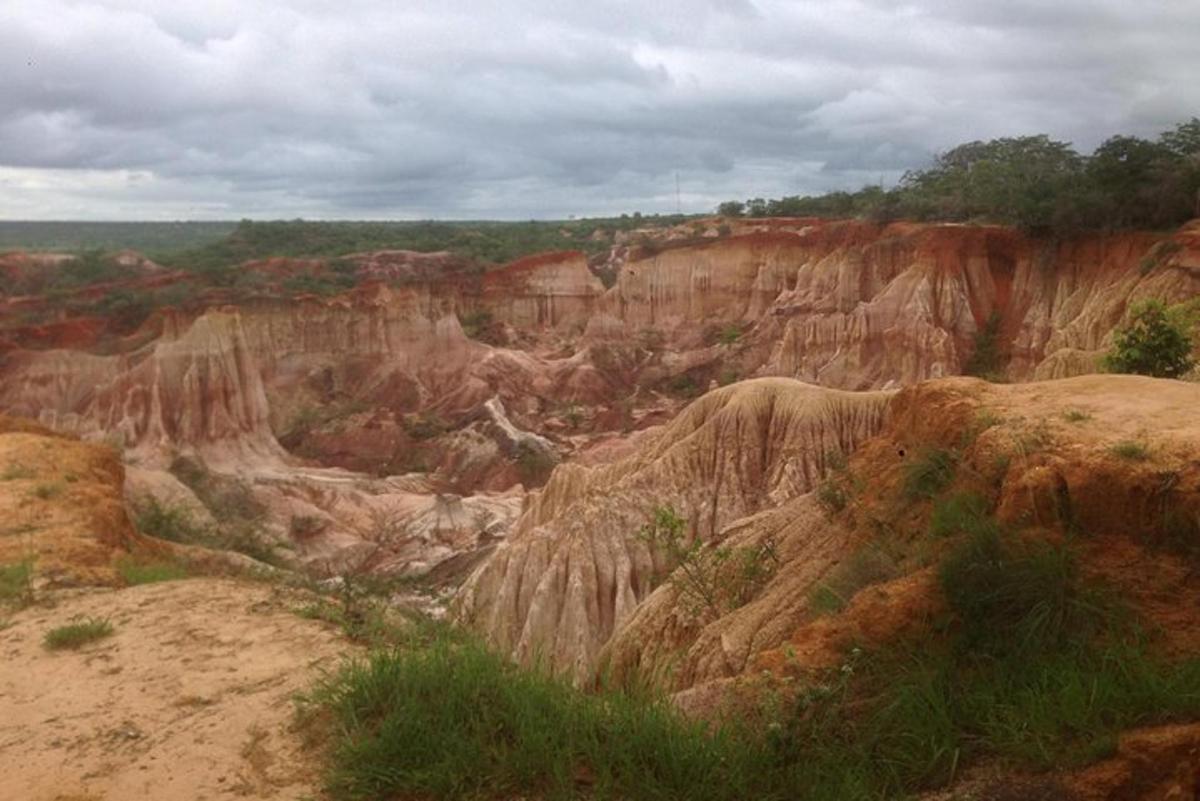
134,571
1076,416
1130,450
453,720
16,583
985,361
1150,344
959,513
78,633
929,472
711,581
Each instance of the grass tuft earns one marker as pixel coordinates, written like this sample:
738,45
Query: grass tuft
1076,416
1131,451
16,583
134,572
930,472
77,634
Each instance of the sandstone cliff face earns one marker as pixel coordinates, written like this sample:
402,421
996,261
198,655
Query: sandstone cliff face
198,386
574,569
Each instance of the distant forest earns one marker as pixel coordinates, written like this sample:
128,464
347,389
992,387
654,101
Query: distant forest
1033,182
212,245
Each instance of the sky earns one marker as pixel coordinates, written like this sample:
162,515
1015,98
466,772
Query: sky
471,109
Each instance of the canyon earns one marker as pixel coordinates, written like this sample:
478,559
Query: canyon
543,448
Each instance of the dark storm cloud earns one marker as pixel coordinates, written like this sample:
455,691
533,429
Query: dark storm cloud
373,108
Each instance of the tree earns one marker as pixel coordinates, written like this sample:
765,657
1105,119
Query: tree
1150,345
731,208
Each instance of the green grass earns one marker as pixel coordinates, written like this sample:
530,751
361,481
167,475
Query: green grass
929,472
77,634
453,720
16,583
47,491
959,513
16,472
134,572
1131,451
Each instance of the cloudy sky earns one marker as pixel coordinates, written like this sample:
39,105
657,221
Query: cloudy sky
157,109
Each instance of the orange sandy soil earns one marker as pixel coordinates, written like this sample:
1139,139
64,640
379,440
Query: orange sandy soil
189,699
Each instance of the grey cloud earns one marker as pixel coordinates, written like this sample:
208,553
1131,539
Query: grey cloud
372,108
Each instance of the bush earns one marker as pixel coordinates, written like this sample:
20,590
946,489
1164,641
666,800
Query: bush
960,513
1131,451
77,634
16,583
1150,345
985,359
710,581
929,472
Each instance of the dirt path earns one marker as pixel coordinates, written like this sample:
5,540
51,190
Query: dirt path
190,699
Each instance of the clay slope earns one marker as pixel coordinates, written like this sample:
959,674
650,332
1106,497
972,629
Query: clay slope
62,508
575,569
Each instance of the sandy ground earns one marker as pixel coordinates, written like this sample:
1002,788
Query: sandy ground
190,699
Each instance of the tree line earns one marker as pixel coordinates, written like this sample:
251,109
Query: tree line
1035,183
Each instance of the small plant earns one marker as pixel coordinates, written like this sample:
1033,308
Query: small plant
16,583
303,527
1150,344
172,522
710,581
727,377
1076,416
16,472
961,512
134,572
930,472
573,415
78,633
1130,450
46,492
480,325
534,464
832,495
729,335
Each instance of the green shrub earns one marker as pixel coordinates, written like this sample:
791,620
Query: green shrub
1011,597
928,473
134,572
1150,344
534,464
1076,416
710,581
16,583
78,633
729,335
172,522
1130,450
985,361
46,492
961,512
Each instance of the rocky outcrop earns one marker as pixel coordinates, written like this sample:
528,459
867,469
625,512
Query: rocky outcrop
574,570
